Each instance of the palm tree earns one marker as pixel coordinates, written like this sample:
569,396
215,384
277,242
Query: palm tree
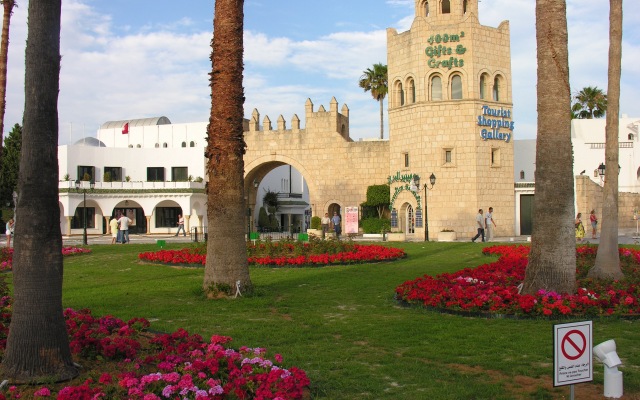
4,49
552,259
607,263
226,246
376,81
38,344
591,102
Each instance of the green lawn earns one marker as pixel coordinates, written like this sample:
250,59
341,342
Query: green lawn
342,326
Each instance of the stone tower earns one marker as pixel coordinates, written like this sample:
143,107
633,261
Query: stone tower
450,114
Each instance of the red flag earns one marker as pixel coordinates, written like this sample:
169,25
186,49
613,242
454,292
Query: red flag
125,129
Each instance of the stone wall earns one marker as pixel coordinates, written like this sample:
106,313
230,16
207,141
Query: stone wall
589,197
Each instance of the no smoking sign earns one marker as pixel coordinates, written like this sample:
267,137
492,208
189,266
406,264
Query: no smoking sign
572,358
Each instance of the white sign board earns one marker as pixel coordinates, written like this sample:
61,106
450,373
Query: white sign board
351,220
572,353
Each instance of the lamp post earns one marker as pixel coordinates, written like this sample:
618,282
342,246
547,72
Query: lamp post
256,183
432,180
92,185
601,170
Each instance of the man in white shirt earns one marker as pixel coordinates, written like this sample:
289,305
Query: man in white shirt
124,222
488,222
480,226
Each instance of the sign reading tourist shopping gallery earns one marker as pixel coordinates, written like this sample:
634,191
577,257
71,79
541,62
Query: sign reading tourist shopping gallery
498,123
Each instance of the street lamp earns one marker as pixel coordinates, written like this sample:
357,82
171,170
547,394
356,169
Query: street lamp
92,185
432,180
256,183
601,170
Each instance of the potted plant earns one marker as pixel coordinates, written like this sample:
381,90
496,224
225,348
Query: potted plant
316,227
447,235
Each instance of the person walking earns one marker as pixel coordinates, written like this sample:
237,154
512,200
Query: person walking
325,222
181,225
480,226
113,224
9,231
124,222
487,225
336,224
579,228
594,224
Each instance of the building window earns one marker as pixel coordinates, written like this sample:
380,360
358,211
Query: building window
436,88
425,7
165,145
495,157
446,6
138,146
464,7
630,136
521,174
184,144
411,87
406,160
496,89
155,174
399,94
77,221
483,86
192,144
448,156
167,217
115,174
179,174
456,87
157,145
86,173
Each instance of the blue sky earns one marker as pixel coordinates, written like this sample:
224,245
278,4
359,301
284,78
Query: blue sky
125,59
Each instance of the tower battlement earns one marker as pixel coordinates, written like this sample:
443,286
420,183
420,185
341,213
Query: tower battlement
320,121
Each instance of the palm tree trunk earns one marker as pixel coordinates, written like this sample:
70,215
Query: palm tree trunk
38,343
607,263
226,244
381,119
552,260
4,50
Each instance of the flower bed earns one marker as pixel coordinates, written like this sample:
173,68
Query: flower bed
6,255
286,254
130,363
493,288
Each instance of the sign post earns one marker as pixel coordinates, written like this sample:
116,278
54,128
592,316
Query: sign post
572,353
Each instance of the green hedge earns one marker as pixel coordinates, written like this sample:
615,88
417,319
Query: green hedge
375,225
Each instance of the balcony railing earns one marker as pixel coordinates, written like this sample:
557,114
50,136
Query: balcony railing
133,185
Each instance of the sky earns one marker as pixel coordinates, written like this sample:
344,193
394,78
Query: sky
127,59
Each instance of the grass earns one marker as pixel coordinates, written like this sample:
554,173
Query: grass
341,325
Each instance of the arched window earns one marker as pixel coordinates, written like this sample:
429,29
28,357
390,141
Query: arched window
192,144
400,94
436,88
426,8
637,173
157,145
411,88
464,7
446,6
165,145
131,146
630,136
138,146
456,87
184,144
483,85
496,89
521,174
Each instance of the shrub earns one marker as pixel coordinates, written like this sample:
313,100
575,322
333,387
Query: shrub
316,222
375,225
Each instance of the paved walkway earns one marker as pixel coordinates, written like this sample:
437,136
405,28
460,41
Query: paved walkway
625,236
